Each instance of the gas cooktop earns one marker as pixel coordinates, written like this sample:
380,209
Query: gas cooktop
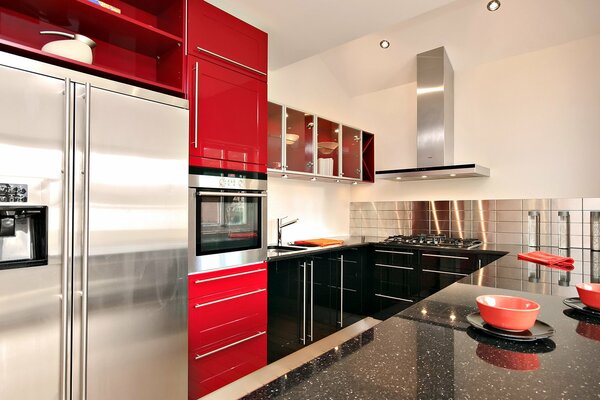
434,240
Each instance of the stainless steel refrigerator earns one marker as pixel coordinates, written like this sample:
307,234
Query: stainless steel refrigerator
103,315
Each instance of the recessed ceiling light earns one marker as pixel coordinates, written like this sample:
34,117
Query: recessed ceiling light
399,177
355,183
313,179
453,175
337,181
284,176
424,176
384,44
493,5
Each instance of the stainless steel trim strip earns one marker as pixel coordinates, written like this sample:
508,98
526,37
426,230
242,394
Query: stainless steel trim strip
230,276
303,334
394,298
198,357
200,49
231,194
394,266
27,64
210,303
67,173
86,244
196,72
443,272
341,290
443,256
312,299
406,253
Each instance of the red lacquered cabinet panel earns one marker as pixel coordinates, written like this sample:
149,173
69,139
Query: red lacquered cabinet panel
214,30
220,368
227,323
228,113
212,322
214,285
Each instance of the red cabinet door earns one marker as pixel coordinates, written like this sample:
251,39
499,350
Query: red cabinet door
228,113
214,31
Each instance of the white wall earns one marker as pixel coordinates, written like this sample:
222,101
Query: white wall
533,119
323,209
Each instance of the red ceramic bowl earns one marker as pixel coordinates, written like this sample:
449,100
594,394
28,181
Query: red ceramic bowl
589,293
508,312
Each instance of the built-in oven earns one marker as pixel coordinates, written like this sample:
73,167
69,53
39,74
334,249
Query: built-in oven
227,218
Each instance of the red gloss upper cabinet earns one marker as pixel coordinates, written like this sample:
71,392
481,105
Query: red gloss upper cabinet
228,113
213,31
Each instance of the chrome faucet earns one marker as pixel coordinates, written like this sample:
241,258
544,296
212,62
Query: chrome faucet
281,225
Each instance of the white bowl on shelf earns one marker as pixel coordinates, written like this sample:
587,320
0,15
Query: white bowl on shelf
327,147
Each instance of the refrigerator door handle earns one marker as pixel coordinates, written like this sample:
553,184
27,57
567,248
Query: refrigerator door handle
312,299
86,244
66,233
303,330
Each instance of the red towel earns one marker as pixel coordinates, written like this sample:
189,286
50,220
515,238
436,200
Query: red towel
549,260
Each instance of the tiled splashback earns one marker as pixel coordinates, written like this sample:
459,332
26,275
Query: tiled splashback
493,221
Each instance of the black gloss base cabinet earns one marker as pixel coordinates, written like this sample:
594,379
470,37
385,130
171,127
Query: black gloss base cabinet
311,297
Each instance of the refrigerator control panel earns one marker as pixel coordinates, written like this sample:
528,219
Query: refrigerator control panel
13,193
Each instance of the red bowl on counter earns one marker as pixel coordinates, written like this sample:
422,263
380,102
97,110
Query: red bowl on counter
589,294
508,312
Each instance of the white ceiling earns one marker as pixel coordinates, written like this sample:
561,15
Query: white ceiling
346,33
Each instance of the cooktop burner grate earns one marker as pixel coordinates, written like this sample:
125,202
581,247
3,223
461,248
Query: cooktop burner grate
434,240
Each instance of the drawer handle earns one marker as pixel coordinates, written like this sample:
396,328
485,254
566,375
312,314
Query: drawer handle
406,253
444,272
394,266
394,298
200,356
229,298
442,256
230,276
200,49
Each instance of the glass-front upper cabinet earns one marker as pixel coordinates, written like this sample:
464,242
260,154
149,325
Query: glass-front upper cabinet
328,152
275,137
351,152
299,141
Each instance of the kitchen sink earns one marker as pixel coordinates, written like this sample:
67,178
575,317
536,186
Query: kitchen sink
285,249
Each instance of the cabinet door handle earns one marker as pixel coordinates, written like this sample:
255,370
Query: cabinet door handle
196,106
393,298
200,356
406,253
303,331
443,272
341,291
443,256
394,266
210,303
229,60
312,300
229,276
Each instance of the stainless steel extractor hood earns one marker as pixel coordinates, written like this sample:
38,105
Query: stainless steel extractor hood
435,124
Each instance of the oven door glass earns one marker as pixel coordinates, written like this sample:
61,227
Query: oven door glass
227,222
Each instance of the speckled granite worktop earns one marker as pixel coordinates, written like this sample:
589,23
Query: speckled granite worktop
429,351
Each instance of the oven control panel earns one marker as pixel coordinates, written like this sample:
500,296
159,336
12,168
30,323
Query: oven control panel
13,193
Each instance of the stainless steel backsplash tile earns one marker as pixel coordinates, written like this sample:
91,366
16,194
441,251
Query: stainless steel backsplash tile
504,221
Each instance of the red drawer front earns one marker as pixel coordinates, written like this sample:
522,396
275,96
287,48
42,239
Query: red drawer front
216,31
228,117
223,319
210,286
227,365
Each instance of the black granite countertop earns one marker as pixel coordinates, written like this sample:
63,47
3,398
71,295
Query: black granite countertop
428,351
356,241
